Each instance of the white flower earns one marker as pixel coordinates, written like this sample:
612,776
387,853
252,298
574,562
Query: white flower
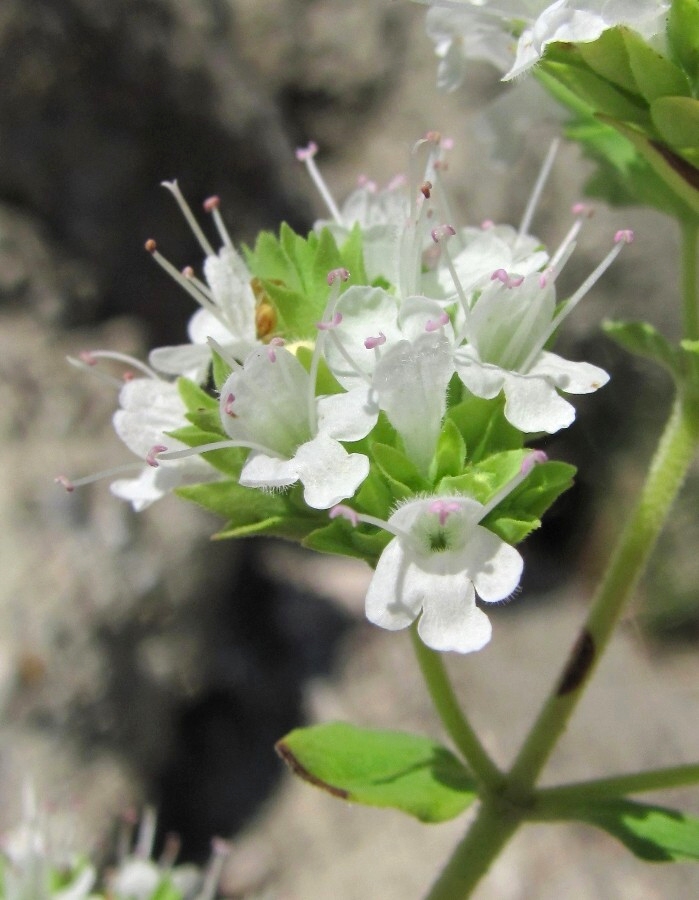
583,22
463,30
506,327
401,350
269,405
228,302
150,408
438,560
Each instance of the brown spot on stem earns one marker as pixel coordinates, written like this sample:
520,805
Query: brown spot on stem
684,169
581,659
296,767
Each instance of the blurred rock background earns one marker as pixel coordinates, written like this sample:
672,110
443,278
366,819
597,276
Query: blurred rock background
139,661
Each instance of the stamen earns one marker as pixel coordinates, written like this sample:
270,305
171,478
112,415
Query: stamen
224,354
371,343
212,206
363,181
174,189
271,351
169,455
90,357
187,283
228,406
220,849
443,509
71,484
538,188
146,834
441,236
171,850
436,324
305,155
487,224
581,211
333,323
153,452
510,281
355,517
621,238
398,181
533,459
96,373
340,274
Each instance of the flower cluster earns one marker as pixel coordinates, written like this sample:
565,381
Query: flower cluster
368,390
513,35
38,862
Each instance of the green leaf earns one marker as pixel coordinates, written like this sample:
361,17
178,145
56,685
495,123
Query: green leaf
206,420
677,121
194,397
450,454
166,890
340,537
652,833
374,496
352,253
380,768
483,426
221,370
683,37
609,58
644,340
655,75
240,505
600,95
400,473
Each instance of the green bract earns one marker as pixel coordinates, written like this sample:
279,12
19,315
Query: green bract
636,111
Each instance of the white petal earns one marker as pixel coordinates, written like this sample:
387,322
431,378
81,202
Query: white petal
262,471
494,566
328,472
150,408
411,383
349,416
482,379
190,360
387,603
532,404
452,621
571,377
154,483
203,325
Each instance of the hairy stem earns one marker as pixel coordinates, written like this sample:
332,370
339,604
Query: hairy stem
453,718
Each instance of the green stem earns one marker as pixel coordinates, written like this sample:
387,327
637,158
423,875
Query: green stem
690,279
620,785
457,726
667,472
490,831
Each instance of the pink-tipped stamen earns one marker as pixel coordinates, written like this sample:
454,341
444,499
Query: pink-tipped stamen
510,281
228,406
583,209
371,343
442,233
398,181
344,512
340,274
211,203
435,324
65,482
535,458
306,156
363,181
333,323
487,224
90,359
624,236
443,509
194,288
151,456
70,484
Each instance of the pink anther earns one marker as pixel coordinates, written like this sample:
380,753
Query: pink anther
534,459
487,224
65,482
625,235
447,143
150,245
188,272
228,406
582,209
443,509
333,323
128,376
435,324
434,137
87,358
442,232
545,276
365,182
335,274
344,512
304,153
371,343
212,203
152,454
398,181
271,348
